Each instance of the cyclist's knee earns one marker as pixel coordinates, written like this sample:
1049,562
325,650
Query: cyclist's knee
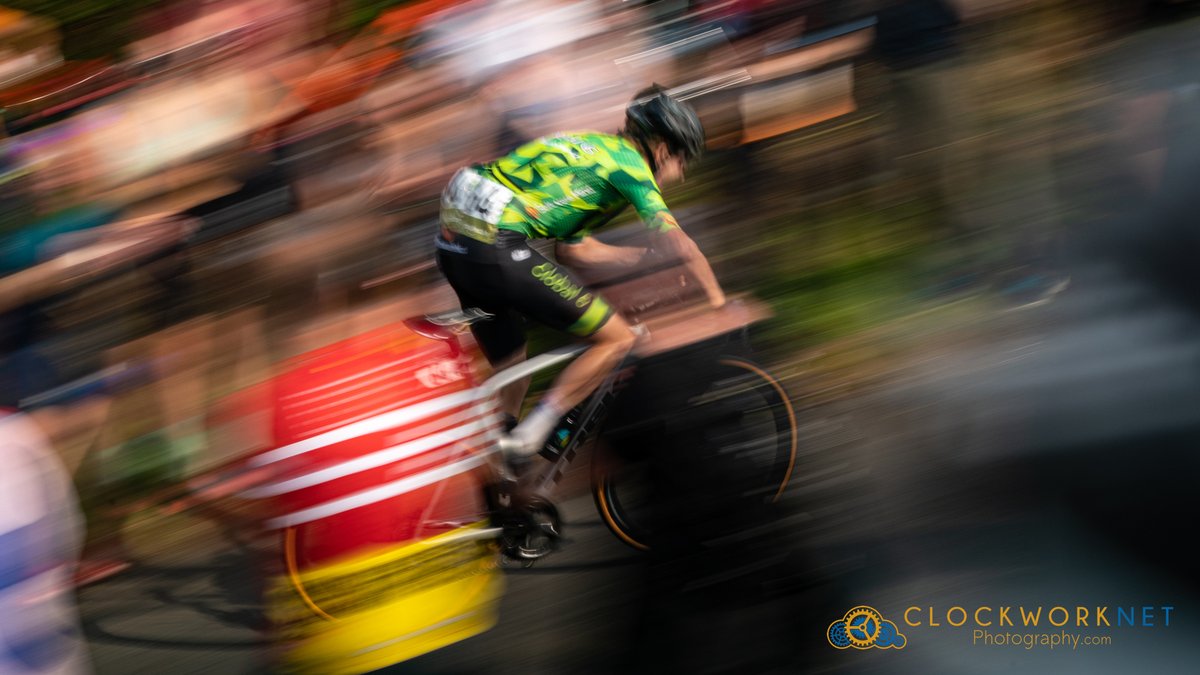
616,335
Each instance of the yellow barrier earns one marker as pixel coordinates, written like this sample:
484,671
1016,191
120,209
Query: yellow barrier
387,606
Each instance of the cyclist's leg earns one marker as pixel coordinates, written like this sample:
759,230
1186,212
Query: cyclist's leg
513,395
501,337
610,344
550,294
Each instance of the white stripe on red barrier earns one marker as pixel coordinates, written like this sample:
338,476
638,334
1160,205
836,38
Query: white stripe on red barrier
371,384
482,429
338,423
309,392
377,494
463,415
370,425
373,460
375,422
334,412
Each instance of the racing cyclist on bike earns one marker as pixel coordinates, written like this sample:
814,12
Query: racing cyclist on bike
562,187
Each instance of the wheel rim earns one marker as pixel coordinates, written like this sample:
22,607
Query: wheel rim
782,453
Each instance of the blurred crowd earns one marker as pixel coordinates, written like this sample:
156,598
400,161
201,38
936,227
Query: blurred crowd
245,180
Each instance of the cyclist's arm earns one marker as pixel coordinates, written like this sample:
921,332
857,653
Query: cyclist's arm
676,243
669,238
591,252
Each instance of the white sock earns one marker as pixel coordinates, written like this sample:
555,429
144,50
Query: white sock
532,432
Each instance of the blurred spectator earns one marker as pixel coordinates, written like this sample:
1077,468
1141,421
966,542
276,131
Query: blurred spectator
914,33
1149,190
40,536
932,117
1158,107
916,41
970,146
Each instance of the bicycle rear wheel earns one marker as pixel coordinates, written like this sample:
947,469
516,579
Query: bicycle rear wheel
742,421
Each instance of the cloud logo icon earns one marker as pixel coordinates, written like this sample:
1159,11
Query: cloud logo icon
890,637
863,628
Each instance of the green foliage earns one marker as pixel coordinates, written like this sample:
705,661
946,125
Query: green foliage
363,12
837,270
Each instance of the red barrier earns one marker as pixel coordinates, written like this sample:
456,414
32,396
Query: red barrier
382,446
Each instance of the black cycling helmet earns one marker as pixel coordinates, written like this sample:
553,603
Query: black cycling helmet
654,114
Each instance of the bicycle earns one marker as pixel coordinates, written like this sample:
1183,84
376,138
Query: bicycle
744,409
389,496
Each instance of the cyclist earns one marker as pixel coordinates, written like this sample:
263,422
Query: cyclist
562,187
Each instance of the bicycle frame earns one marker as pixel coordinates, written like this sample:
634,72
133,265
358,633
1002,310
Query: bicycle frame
591,415
594,407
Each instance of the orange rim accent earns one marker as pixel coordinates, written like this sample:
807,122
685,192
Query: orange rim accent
608,519
600,485
289,551
791,415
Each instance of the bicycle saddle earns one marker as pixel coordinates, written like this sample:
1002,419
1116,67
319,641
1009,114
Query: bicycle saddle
444,325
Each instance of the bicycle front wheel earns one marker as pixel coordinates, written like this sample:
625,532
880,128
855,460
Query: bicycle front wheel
745,427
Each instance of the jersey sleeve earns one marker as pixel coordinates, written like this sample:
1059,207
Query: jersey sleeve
576,237
632,178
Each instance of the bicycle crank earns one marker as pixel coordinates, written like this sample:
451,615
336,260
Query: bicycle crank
531,533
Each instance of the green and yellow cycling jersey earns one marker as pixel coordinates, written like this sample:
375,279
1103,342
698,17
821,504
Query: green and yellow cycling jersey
567,185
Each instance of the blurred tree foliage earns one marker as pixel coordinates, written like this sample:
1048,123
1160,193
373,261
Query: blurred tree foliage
362,12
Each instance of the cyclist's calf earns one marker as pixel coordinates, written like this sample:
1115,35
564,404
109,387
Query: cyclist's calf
610,344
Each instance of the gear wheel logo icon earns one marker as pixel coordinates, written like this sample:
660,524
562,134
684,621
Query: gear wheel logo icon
837,635
864,627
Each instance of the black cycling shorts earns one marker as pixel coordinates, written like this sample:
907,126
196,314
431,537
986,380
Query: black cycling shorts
510,280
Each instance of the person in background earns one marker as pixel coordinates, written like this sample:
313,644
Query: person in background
916,42
41,534
967,145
